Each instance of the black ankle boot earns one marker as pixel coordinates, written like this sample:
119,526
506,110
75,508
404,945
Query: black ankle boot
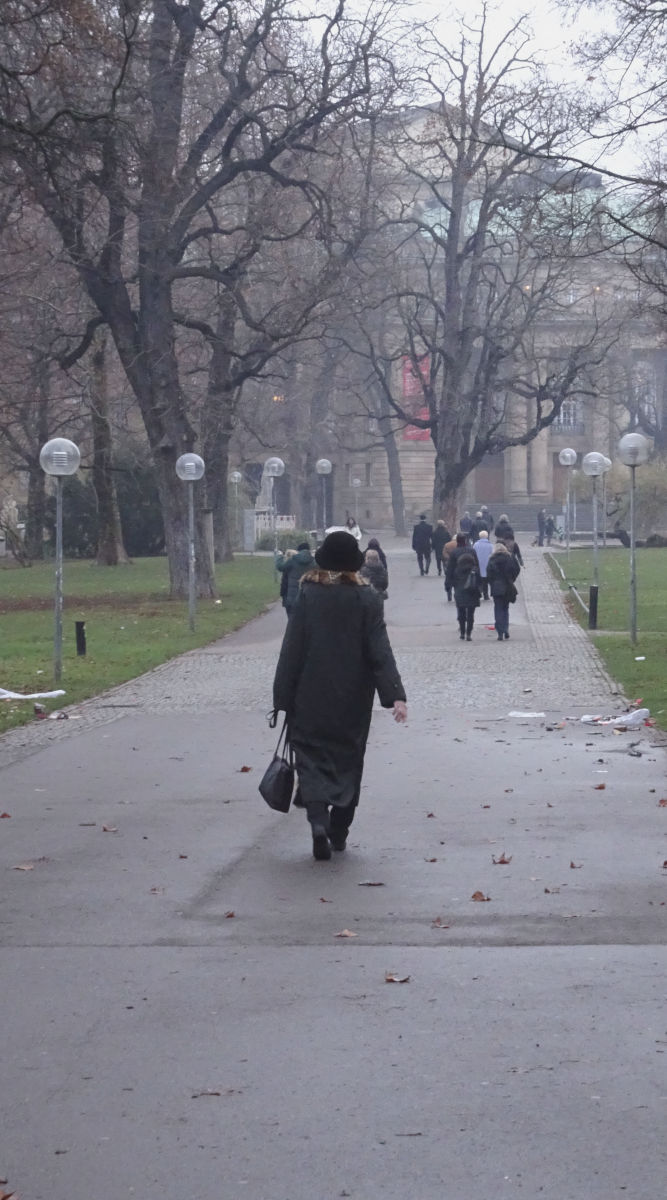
321,845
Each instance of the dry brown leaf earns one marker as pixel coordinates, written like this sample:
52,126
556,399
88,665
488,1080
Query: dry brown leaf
2,817
479,896
438,923
156,891
324,901
197,1096
370,883
244,770
430,860
576,866
599,787
430,814
109,829
346,933
509,789
661,804
664,866
24,867
182,856
392,977
502,860
486,806
231,913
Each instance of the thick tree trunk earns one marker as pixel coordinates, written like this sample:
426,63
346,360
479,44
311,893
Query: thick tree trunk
110,548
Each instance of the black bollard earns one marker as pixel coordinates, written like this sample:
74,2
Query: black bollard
80,630
593,606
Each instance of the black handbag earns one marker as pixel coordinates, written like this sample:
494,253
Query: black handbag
277,783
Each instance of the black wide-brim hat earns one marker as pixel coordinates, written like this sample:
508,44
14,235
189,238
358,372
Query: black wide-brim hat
339,552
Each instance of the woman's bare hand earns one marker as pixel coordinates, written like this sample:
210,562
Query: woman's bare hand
400,710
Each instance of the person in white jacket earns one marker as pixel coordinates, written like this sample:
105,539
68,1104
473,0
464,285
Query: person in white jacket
483,549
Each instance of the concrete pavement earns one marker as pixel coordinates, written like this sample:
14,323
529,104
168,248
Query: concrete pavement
179,1016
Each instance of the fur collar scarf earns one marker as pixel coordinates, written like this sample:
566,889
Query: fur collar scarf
327,578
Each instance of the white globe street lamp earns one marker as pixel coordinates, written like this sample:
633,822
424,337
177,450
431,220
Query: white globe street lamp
323,468
273,468
593,464
567,458
189,468
633,450
59,457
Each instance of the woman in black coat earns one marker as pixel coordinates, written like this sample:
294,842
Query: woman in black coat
501,571
464,577
334,656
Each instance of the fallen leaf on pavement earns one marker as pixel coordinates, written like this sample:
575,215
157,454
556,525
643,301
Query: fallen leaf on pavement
438,923
576,866
182,856
661,804
599,787
391,977
2,816
509,789
155,891
109,829
198,1095
231,913
430,814
324,901
502,860
24,867
370,883
430,860
346,933
244,770
479,896
486,806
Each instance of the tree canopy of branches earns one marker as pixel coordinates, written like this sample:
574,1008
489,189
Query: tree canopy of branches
150,133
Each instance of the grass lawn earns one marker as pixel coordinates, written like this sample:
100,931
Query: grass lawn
131,625
646,678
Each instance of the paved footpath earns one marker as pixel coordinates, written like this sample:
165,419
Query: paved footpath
179,1016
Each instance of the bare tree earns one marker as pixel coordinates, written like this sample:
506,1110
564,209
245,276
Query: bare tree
100,116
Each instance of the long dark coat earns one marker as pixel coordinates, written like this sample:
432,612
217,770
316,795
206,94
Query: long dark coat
501,571
334,656
463,565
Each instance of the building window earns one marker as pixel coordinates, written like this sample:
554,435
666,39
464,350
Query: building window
369,474
568,417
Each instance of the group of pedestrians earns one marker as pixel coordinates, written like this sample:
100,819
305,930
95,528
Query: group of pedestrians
473,567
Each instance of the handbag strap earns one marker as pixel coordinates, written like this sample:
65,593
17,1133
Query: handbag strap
283,740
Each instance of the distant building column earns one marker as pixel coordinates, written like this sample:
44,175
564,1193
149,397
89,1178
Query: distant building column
516,459
540,481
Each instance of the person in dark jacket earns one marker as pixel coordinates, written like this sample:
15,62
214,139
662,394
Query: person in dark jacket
501,572
284,578
449,547
421,543
294,567
549,528
476,526
465,523
439,539
375,573
335,655
463,577
488,519
503,529
373,544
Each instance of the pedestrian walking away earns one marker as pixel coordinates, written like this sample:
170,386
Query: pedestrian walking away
375,573
334,657
439,539
476,526
501,572
449,547
284,577
421,543
503,529
549,528
483,549
293,567
465,523
373,544
541,526
463,577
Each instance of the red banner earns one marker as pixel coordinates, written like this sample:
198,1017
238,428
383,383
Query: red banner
414,378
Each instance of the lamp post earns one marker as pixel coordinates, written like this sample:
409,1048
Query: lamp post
189,468
593,465
356,484
633,450
607,467
59,457
273,468
567,458
236,478
323,468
